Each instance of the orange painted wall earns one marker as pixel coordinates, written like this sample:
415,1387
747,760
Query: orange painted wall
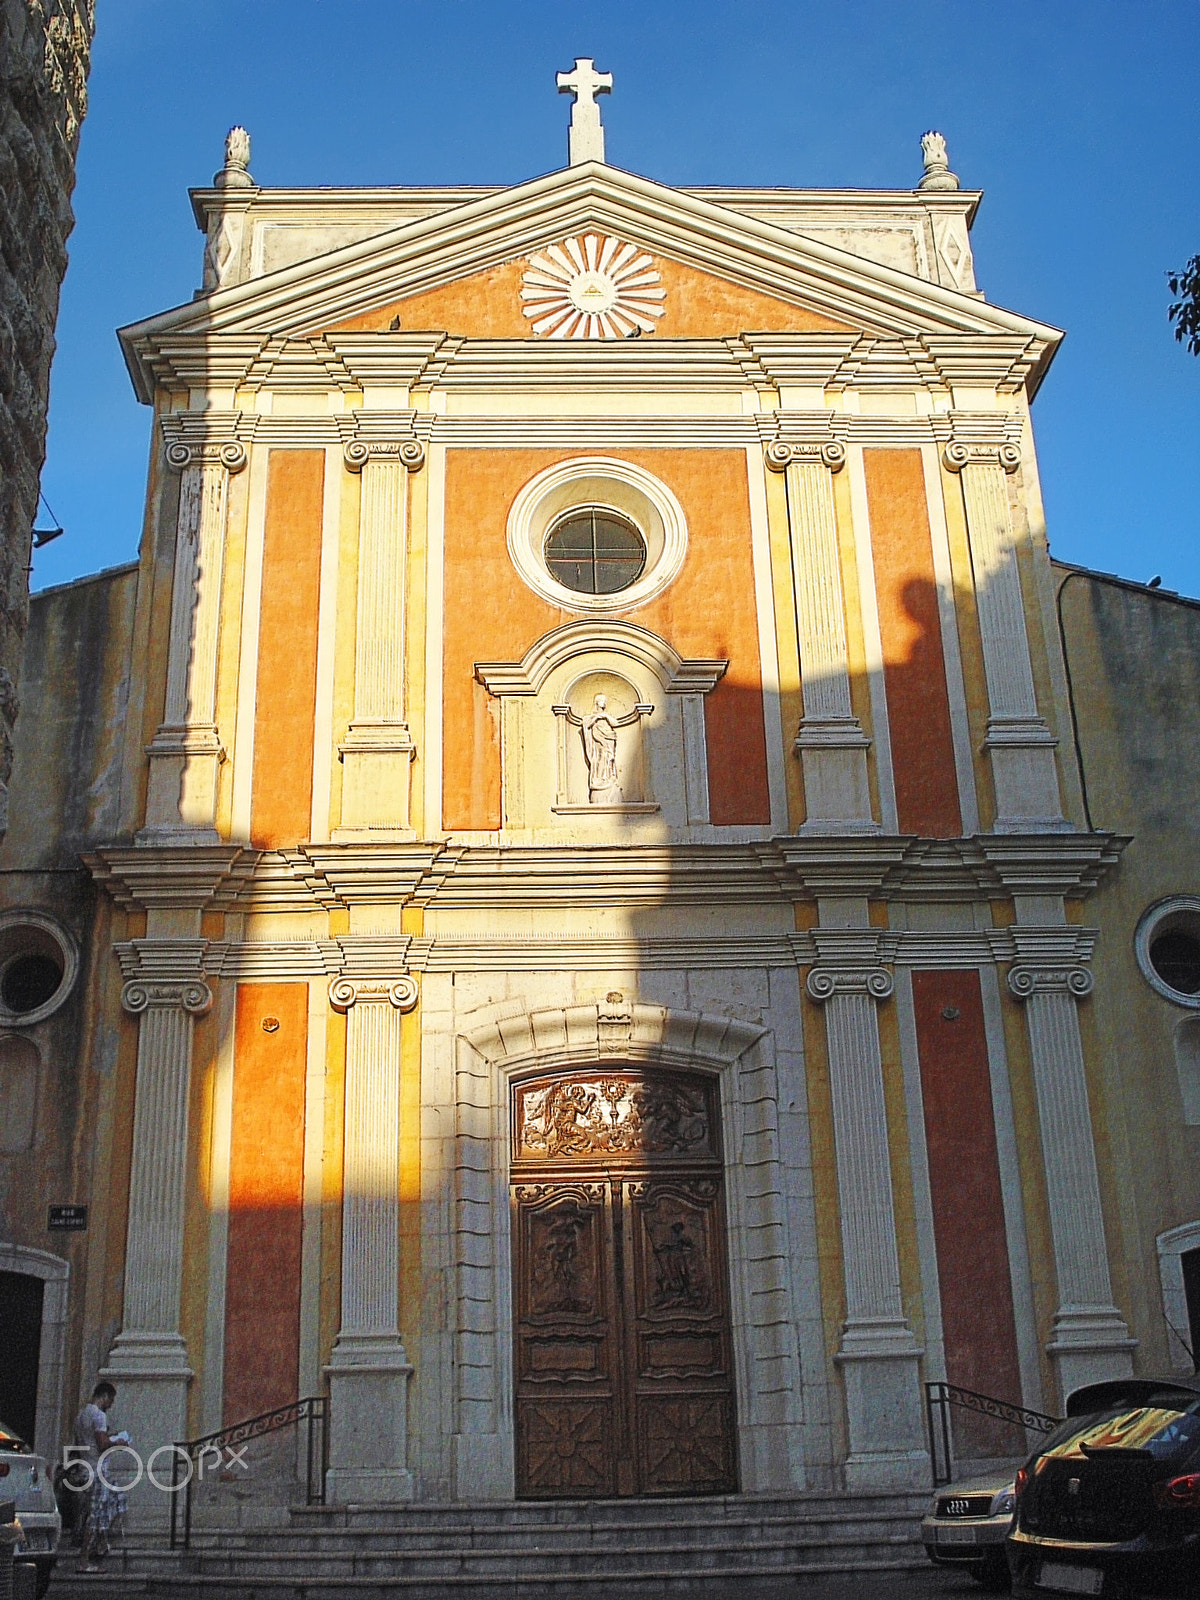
266,1195
708,611
914,667
978,1322
281,796
487,305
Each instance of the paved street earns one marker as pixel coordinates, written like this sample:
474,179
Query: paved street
933,1583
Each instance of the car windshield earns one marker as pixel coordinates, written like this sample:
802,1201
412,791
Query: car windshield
1167,1431
13,1441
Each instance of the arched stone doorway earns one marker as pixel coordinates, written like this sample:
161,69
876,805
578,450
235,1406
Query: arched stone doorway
623,1367
33,1310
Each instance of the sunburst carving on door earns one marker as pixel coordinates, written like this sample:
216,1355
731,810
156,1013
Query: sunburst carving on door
592,286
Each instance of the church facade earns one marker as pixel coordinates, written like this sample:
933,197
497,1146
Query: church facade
586,950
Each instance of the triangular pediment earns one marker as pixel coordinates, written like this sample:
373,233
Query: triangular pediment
515,299
462,271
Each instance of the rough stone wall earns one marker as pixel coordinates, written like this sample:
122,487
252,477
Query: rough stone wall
45,48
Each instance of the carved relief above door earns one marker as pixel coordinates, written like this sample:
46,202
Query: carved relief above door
624,1380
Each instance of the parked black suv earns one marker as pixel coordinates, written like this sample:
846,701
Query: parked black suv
1110,1504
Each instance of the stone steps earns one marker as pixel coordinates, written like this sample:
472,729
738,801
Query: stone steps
586,1550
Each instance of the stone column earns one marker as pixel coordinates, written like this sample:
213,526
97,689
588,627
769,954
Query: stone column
830,740
878,1355
369,1370
1019,743
1090,1340
187,752
149,1360
378,752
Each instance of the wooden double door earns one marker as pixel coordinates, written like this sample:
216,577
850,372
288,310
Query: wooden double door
623,1366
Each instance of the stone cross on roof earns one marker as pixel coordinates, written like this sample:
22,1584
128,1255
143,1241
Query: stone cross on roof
585,138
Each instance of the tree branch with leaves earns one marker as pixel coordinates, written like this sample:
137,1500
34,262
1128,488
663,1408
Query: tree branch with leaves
1184,311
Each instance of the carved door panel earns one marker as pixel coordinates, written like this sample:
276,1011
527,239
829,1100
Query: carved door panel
623,1355
566,1351
679,1348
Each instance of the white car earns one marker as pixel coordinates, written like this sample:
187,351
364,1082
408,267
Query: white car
25,1479
967,1523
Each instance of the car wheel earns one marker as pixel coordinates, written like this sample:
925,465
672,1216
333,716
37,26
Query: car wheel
993,1573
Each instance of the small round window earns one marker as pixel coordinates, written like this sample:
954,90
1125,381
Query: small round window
38,964
1175,956
1167,945
595,551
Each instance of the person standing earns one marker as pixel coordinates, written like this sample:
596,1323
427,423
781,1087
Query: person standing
91,1440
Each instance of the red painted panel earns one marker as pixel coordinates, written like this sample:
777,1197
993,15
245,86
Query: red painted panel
914,668
266,1197
281,795
978,1322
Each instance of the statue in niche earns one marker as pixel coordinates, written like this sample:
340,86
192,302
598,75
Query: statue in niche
601,767
600,752
599,732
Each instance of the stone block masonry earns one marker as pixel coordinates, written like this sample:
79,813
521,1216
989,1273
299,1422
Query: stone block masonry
45,48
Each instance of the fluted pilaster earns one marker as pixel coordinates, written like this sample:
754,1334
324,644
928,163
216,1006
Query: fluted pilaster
1090,1339
878,1354
378,749
149,1358
186,751
1020,744
830,740
154,1232
369,1370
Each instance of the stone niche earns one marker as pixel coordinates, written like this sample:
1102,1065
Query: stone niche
602,760
603,733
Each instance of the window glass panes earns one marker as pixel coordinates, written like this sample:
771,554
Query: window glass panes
595,552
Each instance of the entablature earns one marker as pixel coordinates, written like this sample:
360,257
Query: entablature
453,876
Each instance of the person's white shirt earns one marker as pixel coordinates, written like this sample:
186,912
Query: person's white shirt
90,1425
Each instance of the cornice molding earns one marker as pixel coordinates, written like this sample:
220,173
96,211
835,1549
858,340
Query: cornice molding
142,877
627,639
424,362
378,958
491,229
454,875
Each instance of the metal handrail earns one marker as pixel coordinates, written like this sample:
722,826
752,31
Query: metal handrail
941,1396
313,1409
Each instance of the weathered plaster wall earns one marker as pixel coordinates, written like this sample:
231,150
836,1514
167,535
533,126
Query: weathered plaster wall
1134,658
66,785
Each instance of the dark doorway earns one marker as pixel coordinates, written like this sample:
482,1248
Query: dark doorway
1190,1262
624,1380
21,1319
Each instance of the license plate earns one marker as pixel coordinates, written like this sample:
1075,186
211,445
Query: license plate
1070,1580
956,1536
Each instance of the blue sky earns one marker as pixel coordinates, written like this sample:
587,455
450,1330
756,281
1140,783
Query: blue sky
1080,119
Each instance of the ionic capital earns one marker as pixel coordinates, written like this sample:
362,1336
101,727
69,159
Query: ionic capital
1025,981
957,455
230,454
190,995
402,993
781,455
823,983
409,453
